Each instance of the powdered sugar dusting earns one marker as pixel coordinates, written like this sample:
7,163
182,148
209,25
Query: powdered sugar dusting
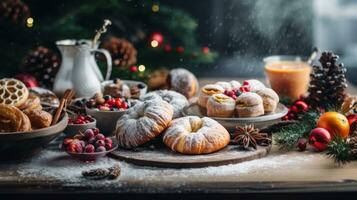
60,166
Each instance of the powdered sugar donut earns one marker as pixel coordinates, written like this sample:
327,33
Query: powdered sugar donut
177,100
143,122
195,135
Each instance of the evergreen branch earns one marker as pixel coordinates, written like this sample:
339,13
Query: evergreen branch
287,136
340,151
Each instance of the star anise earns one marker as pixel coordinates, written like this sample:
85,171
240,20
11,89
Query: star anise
248,136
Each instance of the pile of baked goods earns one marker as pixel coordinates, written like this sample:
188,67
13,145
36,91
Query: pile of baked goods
159,113
231,99
118,89
20,110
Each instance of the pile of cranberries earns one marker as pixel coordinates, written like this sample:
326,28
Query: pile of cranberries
236,92
81,119
295,110
108,104
89,142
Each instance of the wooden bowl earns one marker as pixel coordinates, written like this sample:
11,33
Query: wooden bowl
19,145
230,123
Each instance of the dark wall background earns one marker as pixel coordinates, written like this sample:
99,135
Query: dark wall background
241,31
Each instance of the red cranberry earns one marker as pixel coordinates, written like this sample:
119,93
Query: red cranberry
245,83
89,148
294,109
100,137
89,133
82,143
108,140
91,140
71,147
67,141
81,117
99,143
108,146
95,131
100,149
302,143
124,105
78,147
301,105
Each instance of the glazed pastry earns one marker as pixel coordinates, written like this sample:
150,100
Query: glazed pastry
13,120
206,92
177,100
47,97
249,104
143,122
39,118
232,85
33,102
220,105
270,99
195,135
184,82
254,85
12,92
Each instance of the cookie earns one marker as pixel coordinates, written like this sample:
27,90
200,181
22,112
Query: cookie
13,92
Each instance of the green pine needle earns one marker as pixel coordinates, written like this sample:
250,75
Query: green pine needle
288,135
340,151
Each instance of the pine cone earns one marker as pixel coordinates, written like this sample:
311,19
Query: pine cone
327,83
14,11
123,52
42,63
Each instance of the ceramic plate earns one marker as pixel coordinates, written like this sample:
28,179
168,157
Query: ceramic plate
231,123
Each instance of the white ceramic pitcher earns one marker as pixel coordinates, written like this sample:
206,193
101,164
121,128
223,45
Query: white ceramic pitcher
79,70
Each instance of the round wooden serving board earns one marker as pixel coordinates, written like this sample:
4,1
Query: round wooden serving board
164,157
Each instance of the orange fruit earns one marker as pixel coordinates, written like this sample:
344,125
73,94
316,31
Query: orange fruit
335,123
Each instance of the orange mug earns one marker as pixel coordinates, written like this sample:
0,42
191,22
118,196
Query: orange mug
289,76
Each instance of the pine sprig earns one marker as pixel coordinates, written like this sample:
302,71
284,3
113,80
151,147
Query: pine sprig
340,150
287,136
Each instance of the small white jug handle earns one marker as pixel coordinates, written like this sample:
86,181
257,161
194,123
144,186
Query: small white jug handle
108,59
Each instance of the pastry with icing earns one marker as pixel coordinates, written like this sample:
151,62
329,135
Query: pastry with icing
206,92
220,105
270,99
249,104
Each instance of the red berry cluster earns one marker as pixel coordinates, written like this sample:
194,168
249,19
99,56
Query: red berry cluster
81,119
236,92
295,110
109,104
245,87
89,142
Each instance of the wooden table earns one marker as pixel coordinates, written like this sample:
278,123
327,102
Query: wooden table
281,172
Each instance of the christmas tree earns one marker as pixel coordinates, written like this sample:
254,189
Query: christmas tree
161,35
